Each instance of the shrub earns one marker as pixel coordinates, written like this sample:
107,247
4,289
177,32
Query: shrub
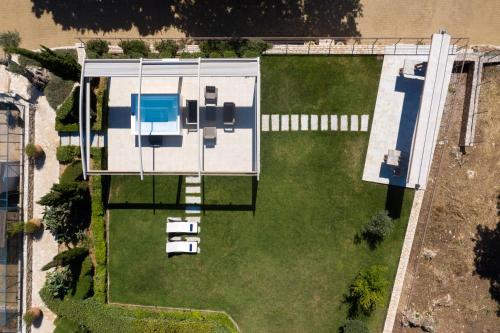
67,112
98,47
250,54
167,48
64,193
230,54
14,228
57,91
354,326
67,257
209,46
34,151
32,226
134,48
83,287
367,290
215,54
72,173
57,220
379,227
62,64
58,282
101,97
258,46
9,39
67,154
191,55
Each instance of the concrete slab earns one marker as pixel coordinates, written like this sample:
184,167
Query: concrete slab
193,209
193,219
295,122
304,122
193,190
354,122
275,122
193,200
334,122
314,122
324,122
285,122
344,123
193,180
265,123
364,122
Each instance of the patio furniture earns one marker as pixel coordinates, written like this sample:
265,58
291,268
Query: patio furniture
175,219
210,95
229,114
412,67
182,247
192,112
182,228
393,157
210,129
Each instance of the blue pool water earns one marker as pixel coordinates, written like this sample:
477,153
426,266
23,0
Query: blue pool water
157,107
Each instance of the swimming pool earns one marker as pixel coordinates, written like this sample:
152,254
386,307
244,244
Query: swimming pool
159,114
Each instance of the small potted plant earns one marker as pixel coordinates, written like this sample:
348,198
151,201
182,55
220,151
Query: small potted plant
31,315
34,151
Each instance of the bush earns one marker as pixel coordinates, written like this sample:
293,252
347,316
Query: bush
57,220
67,154
58,282
215,54
101,97
134,48
250,54
67,257
167,48
98,47
257,46
209,46
354,326
64,193
62,64
14,229
57,91
191,55
32,227
83,287
34,151
379,227
72,173
230,54
67,112
9,39
367,290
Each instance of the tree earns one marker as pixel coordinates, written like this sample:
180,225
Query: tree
67,257
57,220
73,192
62,65
379,227
354,326
367,290
58,282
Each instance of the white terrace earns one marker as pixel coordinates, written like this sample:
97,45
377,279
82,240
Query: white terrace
235,151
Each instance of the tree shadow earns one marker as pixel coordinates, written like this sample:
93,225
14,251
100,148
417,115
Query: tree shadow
487,258
207,18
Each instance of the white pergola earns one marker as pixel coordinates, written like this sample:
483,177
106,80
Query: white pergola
142,68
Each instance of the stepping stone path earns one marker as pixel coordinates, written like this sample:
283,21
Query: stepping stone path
193,195
314,122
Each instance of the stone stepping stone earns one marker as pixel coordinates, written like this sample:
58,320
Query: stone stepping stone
314,122
324,122
354,122
295,122
285,123
334,122
193,190
343,123
265,123
304,122
193,209
193,219
193,180
275,122
364,122
193,200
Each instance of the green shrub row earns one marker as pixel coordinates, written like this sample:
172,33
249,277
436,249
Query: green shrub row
99,317
98,227
83,286
67,257
67,154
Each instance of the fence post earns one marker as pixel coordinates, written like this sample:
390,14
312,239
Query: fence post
330,47
396,45
373,45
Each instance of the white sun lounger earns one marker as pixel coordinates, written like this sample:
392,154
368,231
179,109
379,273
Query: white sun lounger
183,247
175,219
182,227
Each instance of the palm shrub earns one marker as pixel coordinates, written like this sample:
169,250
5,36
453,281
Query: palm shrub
167,48
61,64
96,48
29,228
9,39
58,282
134,48
354,326
367,290
33,151
378,227
67,257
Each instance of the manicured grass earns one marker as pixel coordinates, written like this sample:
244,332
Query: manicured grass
319,85
281,265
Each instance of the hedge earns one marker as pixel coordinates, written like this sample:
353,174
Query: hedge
98,226
57,91
67,154
83,286
99,317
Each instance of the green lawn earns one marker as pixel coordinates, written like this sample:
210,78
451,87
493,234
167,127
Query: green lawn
284,266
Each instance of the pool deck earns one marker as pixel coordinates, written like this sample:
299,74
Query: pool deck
233,151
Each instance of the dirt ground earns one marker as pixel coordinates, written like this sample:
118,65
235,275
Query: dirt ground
460,223
56,23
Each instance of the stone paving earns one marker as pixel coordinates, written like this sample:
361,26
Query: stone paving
315,122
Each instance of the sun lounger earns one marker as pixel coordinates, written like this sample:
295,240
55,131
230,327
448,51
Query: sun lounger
210,129
210,95
192,112
229,118
175,219
182,247
182,228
